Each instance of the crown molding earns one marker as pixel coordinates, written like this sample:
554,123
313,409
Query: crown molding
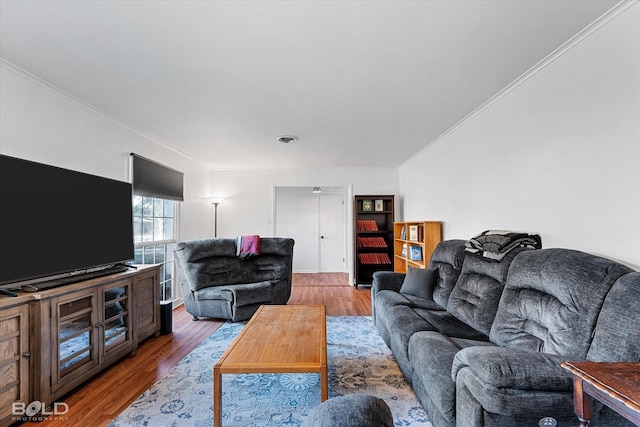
600,22
52,88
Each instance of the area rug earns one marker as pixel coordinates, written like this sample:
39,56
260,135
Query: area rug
359,362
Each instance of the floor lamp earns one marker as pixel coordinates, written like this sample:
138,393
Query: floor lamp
216,201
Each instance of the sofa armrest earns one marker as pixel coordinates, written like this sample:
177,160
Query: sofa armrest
382,281
387,280
512,368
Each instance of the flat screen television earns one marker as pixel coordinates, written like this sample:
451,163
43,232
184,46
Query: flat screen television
57,223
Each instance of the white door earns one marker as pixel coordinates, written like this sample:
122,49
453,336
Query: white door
296,216
331,228
307,217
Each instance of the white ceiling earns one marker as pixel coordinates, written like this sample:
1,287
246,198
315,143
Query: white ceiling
362,83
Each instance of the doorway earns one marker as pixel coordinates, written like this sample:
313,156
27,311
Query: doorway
317,223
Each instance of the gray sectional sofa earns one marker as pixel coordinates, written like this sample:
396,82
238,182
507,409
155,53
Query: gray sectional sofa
216,282
484,346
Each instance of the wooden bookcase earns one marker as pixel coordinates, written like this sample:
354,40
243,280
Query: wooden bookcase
373,240
414,242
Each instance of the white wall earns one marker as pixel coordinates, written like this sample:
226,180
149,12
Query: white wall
42,124
558,155
248,207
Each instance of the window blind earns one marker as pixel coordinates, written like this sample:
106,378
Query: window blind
152,179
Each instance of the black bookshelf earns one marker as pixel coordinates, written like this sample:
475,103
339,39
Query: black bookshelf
373,236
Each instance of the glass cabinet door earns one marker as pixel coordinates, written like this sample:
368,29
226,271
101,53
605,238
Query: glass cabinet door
76,334
116,325
90,328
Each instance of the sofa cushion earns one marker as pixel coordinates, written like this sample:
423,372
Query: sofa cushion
475,297
240,294
402,322
447,257
552,300
477,400
511,368
617,334
197,250
419,282
432,355
385,300
447,324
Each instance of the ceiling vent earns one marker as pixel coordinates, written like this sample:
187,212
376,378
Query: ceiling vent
285,139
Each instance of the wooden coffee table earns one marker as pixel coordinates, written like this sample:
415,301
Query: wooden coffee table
277,339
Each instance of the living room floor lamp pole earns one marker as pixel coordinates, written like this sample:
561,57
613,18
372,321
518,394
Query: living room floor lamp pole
216,201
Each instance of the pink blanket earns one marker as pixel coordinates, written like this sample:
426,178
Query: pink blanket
247,246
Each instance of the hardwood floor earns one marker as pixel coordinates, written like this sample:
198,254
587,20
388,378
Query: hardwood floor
324,279
101,399
339,301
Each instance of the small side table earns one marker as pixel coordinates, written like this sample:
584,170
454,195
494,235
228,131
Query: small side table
616,384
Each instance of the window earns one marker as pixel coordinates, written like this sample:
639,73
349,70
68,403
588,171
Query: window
157,191
154,222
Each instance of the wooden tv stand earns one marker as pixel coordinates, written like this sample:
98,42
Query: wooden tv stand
52,341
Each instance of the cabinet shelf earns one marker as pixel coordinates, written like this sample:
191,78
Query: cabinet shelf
373,236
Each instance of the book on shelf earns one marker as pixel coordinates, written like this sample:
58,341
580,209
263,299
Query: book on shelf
416,233
413,233
404,250
371,242
374,258
366,225
415,253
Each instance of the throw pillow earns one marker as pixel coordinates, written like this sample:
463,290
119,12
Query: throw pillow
420,282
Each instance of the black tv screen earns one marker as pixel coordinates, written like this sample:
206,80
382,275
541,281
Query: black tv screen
55,221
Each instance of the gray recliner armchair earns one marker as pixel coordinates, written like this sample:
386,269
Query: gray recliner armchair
217,283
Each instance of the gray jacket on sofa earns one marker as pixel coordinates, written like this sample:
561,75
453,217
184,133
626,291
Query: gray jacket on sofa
217,283
486,349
